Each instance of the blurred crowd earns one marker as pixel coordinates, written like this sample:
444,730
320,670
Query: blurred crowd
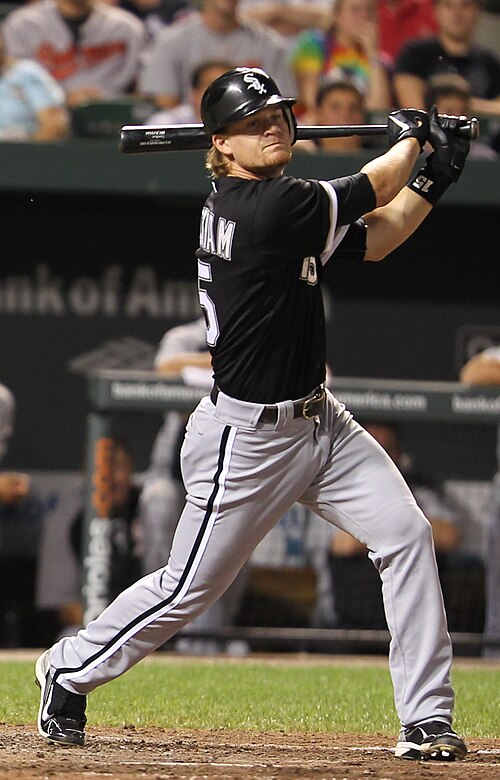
345,60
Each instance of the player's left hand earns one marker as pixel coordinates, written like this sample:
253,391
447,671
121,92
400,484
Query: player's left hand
407,123
450,149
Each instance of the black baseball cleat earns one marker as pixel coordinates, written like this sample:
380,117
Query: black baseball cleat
61,716
430,740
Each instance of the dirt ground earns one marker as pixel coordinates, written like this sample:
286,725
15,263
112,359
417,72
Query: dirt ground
225,754
228,755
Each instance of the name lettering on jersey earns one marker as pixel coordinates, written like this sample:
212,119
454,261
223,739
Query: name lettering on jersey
216,235
309,272
253,83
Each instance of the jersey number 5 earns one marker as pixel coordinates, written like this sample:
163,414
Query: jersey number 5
207,304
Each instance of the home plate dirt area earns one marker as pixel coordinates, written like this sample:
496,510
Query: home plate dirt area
228,755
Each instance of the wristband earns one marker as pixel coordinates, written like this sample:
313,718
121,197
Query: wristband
429,185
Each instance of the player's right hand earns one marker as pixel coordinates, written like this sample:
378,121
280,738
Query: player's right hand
450,149
408,123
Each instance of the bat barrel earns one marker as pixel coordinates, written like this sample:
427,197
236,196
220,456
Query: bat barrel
137,139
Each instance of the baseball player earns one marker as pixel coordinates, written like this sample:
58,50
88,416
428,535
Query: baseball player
269,434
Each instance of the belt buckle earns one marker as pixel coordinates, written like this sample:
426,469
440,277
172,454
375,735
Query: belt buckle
306,409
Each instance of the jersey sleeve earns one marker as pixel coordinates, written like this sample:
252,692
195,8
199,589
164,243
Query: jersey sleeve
355,197
296,216
312,218
352,243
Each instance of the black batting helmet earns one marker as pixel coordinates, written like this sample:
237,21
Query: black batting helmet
239,93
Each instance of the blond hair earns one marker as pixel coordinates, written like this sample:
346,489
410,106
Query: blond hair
217,163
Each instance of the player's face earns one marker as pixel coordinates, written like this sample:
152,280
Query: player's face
258,146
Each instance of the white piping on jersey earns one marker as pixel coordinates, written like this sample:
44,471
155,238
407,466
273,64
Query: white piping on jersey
152,616
335,235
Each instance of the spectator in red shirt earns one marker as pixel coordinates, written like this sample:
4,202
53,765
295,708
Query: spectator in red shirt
400,20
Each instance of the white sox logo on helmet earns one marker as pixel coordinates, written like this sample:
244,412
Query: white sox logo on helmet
253,83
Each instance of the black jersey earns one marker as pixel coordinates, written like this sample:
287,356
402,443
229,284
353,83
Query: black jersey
262,247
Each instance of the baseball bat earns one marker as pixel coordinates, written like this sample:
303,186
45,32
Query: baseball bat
137,139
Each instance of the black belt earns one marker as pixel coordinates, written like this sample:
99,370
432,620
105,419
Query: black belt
307,407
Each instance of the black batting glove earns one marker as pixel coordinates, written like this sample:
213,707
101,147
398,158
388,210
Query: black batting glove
445,164
408,123
450,150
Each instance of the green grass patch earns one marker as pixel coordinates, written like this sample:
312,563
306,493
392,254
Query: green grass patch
255,696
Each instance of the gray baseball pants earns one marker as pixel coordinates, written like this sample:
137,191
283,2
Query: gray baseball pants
241,476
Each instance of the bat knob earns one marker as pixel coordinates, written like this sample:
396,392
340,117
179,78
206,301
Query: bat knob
469,129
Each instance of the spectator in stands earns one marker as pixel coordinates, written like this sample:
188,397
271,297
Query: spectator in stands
91,49
215,32
163,493
451,94
288,17
451,50
59,575
7,410
349,48
189,113
19,535
32,104
484,369
14,486
156,14
353,573
338,102
403,20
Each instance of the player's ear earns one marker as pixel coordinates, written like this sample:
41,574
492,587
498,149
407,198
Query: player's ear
222,144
